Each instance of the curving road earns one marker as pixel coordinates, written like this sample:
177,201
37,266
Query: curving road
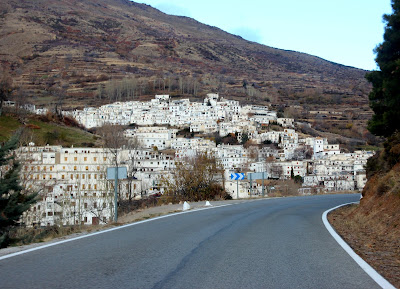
269,243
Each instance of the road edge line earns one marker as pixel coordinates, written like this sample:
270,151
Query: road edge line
109,230
378,278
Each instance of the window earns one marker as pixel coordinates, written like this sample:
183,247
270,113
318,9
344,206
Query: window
83,176
74,168
87,168
89,186
83,186
85,159
62,177
95,205
95,159
65,159
85,205
75,159
95,187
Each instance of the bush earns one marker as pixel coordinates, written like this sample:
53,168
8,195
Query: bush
383,162
126,206
194,180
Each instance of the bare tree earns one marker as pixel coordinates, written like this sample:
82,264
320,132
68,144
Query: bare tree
194,179
113,140
122,152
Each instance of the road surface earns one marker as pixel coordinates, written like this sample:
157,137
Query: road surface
269,243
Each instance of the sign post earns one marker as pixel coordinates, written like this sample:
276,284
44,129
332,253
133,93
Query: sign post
251,185
116,173
262,188
258,176
237,177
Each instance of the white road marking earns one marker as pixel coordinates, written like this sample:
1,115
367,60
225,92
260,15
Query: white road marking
364,265
109,230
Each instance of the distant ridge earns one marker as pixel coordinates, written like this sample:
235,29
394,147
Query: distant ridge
77,48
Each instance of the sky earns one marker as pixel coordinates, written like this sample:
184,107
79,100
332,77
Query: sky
342,31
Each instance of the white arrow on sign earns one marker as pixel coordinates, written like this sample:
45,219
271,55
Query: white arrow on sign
237,176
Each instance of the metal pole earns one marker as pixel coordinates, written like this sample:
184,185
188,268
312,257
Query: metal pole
237,187
262,184
251,186
116,196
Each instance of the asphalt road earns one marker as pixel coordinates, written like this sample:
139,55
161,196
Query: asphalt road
270,243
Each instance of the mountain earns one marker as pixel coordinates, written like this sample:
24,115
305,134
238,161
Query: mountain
79,53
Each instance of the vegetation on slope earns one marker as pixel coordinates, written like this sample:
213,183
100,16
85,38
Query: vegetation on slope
373,227
79,53
43,130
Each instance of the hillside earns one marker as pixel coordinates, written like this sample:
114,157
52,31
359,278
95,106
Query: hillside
46,129
372,228
75,45
78,53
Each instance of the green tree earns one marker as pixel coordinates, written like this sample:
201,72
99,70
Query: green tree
385,95
5,90
13,200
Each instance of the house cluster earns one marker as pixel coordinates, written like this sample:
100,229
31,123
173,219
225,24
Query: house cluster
212,115
73,181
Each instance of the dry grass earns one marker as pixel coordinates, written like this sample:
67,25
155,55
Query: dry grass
372,229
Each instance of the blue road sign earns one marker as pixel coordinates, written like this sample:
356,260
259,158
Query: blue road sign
237,176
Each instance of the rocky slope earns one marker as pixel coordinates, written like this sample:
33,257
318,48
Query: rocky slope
373,228
79,49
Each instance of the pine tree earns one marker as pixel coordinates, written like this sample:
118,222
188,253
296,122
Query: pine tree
385,95
13,201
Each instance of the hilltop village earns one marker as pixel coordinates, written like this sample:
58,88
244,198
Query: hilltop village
73,181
